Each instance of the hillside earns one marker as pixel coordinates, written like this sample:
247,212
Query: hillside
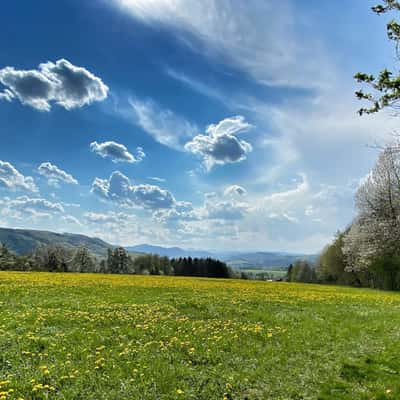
24,241
156,337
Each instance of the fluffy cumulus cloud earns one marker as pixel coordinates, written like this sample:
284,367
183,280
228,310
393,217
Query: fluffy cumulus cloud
117,152
213,208
182,210
226,210
163,125
30,207
113,221
12,179
220,145
235,190
119,188
55,175
61,82
296,216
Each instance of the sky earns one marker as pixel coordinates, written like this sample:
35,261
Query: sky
220,124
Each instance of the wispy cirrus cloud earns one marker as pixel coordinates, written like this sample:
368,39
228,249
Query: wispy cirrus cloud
198,86
165,126
237,33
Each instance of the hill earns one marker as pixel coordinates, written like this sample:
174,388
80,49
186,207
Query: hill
24,241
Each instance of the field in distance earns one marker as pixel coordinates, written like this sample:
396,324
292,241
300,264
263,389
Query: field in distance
114,337
260,272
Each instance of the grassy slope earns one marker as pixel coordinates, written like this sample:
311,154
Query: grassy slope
24,241
132,337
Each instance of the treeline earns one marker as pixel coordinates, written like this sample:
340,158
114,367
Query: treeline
367,253
301,271
332,267
329,268
53,258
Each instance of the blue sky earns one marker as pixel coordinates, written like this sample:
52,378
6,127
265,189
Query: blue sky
215,124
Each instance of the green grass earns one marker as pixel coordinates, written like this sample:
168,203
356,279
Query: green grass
92,337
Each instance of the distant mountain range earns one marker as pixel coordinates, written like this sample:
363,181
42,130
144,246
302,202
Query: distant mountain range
267,260
24,241
264,260
169,251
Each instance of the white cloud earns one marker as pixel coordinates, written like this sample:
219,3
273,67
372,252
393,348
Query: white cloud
157,179
27,207
12,179
214,208
55,175
286,196
198,86
61,82
235,190
117,152
226,210
111,218
70,219
220,145
163,125
119,188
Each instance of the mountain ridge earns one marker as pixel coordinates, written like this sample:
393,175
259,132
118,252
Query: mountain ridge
24,241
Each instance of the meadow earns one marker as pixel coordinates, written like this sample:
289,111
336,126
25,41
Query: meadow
84,336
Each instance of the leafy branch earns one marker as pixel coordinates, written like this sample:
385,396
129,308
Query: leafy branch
387,84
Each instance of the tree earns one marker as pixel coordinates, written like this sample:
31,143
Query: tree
289,274
385,86
301,271
52,258
7,259
118,261
330,266
375,234
83,261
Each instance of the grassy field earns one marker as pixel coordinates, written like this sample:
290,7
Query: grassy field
71,336
275,273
